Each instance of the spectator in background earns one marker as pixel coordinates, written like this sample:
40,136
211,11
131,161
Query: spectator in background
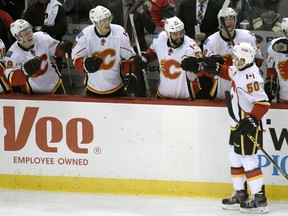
30,61
243,10
14,7
48,16
161,10
5,35
188,12
4,84
143,22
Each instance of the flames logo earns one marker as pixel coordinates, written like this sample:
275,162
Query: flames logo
170,68
283,69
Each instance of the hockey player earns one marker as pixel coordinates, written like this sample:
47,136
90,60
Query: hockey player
4,84
170,46
277,77
249,104
220,43
30,61
99,50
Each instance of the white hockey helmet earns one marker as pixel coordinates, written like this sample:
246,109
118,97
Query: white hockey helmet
228,12
284,26
244,50
173,24
18,26
99,13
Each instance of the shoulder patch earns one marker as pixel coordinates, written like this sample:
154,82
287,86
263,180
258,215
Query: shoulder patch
80,34
9,54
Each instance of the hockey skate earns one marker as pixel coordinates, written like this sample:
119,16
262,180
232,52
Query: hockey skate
257,204
233,203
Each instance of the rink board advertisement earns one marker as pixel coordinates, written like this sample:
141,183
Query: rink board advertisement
128,141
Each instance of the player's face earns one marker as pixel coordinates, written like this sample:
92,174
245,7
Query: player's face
238,62
177,38
230,23
104,26
27,37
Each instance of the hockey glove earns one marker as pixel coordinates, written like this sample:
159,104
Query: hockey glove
271,89
211,66
66,46
31,67
247,124
281,46
141,62
130,84
218,58
191,64
92,64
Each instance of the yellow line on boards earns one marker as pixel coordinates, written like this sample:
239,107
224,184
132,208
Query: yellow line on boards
130,186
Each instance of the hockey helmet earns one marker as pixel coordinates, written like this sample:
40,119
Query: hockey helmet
173,24
228,12
18,26
284,26
99,13
244,50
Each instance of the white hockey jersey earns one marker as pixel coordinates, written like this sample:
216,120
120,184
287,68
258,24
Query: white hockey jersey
47,79
215,44
279,61
3,81
247,89
112,49
174,81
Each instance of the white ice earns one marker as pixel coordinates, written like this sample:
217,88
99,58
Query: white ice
39,203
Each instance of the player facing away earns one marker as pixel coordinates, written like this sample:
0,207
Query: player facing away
276,84
103,52
169,47
4,84
30,61
220,43
250,105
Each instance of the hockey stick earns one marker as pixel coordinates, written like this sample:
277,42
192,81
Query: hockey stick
222,20
131,17
231,113
69,72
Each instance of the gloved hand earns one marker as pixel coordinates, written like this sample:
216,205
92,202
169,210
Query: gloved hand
31,67
191,64
211,66
92,64
130,83
247,124
66,46
217,58
281,46
142,62
271,89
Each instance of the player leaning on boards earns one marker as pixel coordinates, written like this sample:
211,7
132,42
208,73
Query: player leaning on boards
221,44
250,105
99,50
169,47
30,61
276,84
4,84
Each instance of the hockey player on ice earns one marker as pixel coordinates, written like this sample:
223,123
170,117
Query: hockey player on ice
250,105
